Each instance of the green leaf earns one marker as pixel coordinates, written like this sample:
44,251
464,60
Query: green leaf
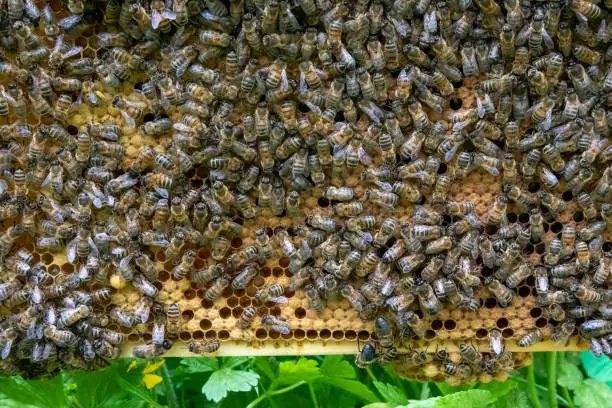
592,394
336,366
267,365
498,389
226,380
40,393
353,386
231,362
93,390
597,368
470,398
391,393
425,391
379,405
137,390
9,403
569,376
291,372
200,364
515,399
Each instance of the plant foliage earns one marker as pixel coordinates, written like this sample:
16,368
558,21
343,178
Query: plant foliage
555,380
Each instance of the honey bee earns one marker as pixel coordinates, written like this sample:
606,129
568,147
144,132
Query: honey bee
187,260
204,347
151,350
530,338
276,324
62,338
218,286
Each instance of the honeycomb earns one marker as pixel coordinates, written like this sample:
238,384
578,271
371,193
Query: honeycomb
337,329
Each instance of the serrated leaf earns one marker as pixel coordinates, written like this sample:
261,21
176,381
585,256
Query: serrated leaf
200,365
470,398
354,387
290,372
226,380
336,366
597,368
391,393
152,366
592,394
569,376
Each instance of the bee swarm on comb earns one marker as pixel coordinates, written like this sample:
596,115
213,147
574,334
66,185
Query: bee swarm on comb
428,179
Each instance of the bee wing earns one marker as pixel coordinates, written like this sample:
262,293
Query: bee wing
162,243
93,247
384,186
313,107
3,187
71,250
364,157
69,22
340,152
9,98
284,329
302,86
475,249
401,26
158,333
431,24
480,108
180,70
7,349
168,15
73,51
47,180
451,153
460,125
84,272
156,18
36,296
59,43
126,260
280,299
128,119
31,331
548,121
162,192
284,83
322,74
97,202
181,127
581,16
490,169
164,101
92,97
